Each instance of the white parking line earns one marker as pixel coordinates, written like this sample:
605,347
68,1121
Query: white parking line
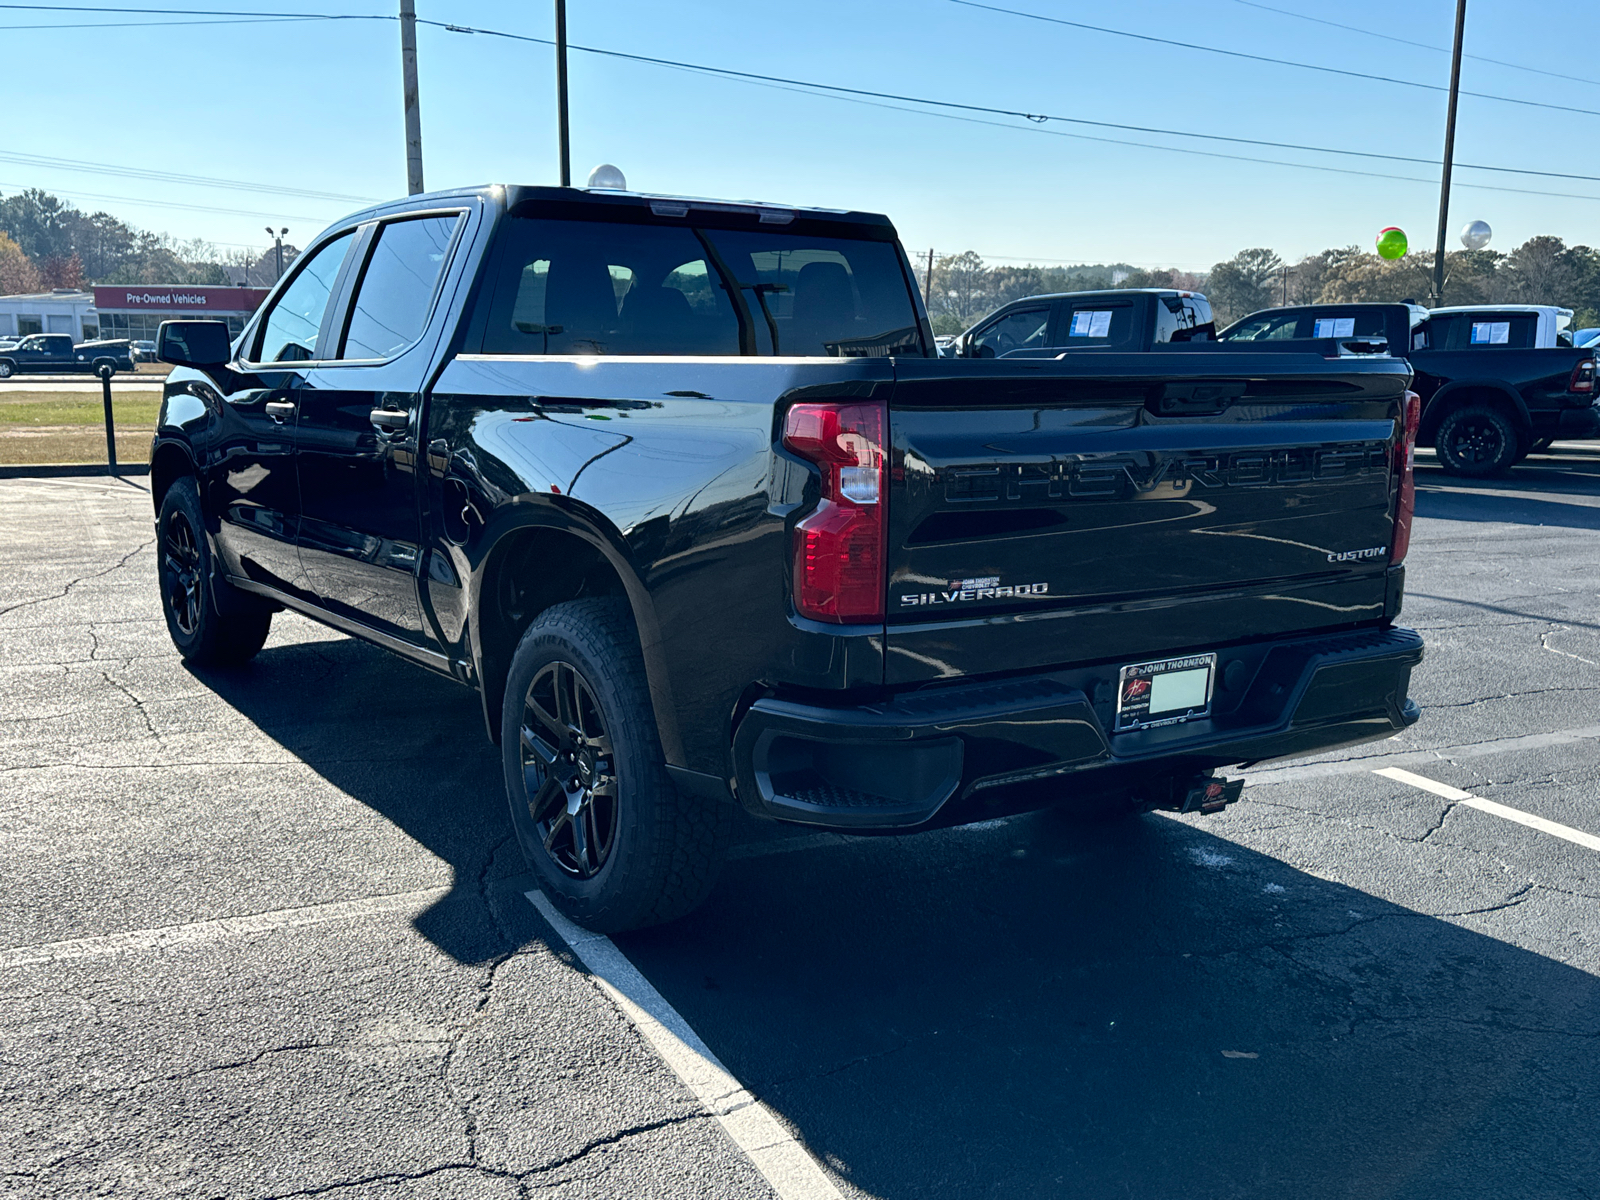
776,1153
1587,840
163,936
1354,766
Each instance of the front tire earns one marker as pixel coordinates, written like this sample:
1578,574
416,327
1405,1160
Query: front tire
612,842
1477,442
203,634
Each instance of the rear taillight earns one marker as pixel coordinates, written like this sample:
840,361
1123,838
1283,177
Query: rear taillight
1582,377
1405,457
839,548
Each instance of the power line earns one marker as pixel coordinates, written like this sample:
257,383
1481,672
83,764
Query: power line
1282,62
862,95
100,168
1036,118
1389,37
155,24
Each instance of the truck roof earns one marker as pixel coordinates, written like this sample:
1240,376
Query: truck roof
1108,293
661,204
1506,308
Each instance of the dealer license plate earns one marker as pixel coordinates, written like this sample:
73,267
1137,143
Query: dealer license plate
1167,692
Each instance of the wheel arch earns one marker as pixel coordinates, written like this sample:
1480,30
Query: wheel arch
514,584
170,461
1492,392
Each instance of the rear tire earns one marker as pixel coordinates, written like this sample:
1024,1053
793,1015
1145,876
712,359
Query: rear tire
1477,442
5,370
611,840
203,633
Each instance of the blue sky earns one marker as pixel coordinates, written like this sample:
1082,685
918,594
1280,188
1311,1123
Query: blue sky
316,105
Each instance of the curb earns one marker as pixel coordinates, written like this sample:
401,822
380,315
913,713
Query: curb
59,470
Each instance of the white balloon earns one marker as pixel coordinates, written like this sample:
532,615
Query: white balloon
1476,234
608,177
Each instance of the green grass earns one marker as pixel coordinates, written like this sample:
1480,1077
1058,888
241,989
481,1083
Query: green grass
44,408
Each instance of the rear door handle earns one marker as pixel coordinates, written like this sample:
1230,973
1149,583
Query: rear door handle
391,419
280,410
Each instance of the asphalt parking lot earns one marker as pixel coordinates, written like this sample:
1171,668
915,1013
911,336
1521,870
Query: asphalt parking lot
264,933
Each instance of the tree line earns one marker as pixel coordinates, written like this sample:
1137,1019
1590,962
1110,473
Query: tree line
1543,270
47,242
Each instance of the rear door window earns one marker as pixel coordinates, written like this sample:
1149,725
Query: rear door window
289,333
1096,323
1025,329
1271,327
397,286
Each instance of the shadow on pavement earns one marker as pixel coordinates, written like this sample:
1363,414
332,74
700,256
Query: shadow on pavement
1559,489
1037,1007
408,744
1049,1009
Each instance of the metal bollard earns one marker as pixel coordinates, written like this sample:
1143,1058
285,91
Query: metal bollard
105,373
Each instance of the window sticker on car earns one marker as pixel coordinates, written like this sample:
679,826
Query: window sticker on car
1491,333
1091,323
1334,327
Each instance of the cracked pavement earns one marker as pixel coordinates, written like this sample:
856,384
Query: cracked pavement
1341,987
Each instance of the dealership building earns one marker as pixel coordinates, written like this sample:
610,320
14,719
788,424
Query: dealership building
135,311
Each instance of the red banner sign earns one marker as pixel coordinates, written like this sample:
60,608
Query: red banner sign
174,299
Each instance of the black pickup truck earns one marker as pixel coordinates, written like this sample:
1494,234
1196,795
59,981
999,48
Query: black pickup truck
1118,319
680,488
1497,383
54,354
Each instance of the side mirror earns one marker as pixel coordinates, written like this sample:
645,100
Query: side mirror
194,343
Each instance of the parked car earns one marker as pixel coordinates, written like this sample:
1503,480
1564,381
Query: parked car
1498,382
1120,319
1586,337
680,489
142,351
54,353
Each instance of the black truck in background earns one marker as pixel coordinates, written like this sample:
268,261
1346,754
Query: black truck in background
680,489
55,354
1117,319
1497,383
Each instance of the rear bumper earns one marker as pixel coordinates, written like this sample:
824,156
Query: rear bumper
948,754
1578,423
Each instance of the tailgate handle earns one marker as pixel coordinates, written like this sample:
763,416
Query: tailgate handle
1188,398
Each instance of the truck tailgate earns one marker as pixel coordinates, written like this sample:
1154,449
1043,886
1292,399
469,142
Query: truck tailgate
1053,512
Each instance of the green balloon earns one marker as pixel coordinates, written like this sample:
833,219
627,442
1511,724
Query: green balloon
1392,243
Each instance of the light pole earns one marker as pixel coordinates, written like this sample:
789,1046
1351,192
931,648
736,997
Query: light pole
561,92
1449,154
277,243
408,78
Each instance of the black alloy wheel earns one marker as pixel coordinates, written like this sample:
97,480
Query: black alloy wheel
569,771
611,840
210,621
181,573
1477,442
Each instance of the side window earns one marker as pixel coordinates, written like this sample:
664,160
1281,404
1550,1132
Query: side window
1025,329
289,333
397,286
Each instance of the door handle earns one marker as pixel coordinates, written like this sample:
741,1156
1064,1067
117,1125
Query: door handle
279,410
390,419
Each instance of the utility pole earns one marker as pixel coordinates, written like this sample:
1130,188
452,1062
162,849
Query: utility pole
408,70
1437,294
927,282
561,93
